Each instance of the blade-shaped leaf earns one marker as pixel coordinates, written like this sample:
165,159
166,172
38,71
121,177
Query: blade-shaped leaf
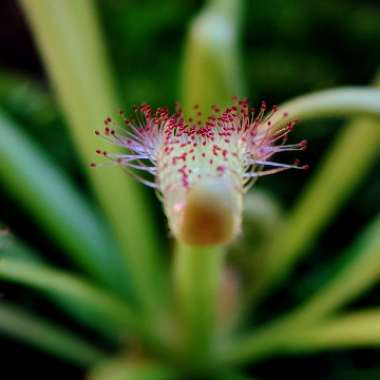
45,336
340,173
100,307
127,369
69,38
211,71
53,202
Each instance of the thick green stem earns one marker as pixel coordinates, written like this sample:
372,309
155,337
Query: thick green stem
68,36
198,274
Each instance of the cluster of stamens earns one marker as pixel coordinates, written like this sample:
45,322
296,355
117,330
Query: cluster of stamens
172,153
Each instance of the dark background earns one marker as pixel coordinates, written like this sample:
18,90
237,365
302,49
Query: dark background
288,48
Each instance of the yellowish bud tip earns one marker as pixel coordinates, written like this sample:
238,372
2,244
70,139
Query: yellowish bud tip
212,213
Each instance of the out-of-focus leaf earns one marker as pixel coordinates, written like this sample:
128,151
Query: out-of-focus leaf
93,304
211,69
127,369
54,203
360,270
359,329
47,337
68,36
352,330
357,270
340,173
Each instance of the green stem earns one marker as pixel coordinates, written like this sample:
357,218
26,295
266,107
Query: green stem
198,272
68,36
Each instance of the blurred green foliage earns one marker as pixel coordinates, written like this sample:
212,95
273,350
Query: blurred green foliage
288,48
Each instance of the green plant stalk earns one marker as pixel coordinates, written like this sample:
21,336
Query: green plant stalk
70,42
211,74
340,173
57,206
197,284
211,71
47,337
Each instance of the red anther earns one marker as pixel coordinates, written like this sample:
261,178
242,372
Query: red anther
285,114
104,153
296,162
97,132
92,165
119,160
121,113
305,167
106,131
303,144
98,151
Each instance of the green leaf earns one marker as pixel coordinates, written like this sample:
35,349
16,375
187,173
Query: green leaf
101,308
339,174
51,199
47,337
359,271
69,38
127,369
335,102
211,71
356,271
353,330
